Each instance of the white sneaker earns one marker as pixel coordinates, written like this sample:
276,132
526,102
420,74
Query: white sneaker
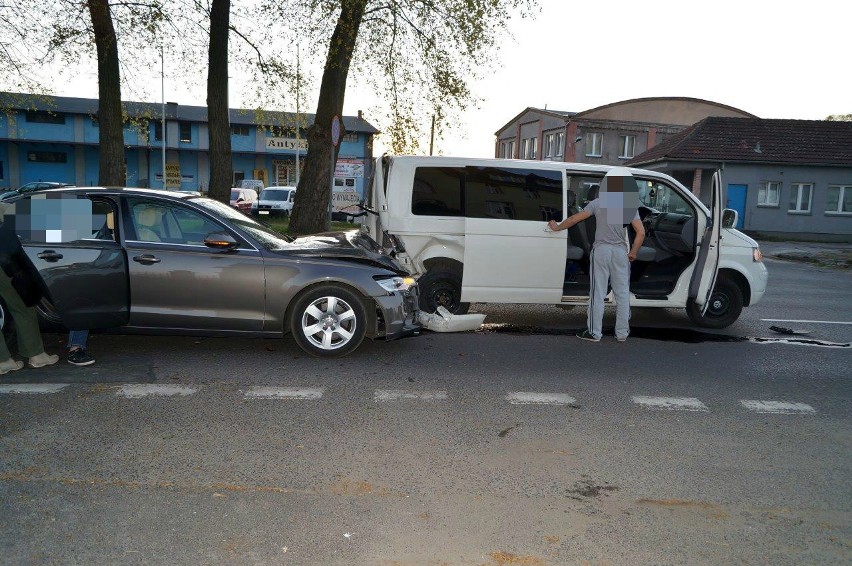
43,359
10,365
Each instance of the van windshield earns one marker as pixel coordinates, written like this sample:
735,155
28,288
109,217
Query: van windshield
274,194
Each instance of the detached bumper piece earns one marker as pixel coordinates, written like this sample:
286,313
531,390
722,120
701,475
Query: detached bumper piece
445,321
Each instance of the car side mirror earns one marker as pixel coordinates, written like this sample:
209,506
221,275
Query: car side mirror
729,218
221,241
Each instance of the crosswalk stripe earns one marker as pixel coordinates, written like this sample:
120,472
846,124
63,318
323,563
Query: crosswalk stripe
304,393
671,403
32,387
400,394
139,390
532,398
778,407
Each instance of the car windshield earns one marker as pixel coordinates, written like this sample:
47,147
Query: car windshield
268,238
274,194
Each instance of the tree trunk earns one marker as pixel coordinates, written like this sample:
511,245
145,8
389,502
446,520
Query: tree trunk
219,123
111,135
310,210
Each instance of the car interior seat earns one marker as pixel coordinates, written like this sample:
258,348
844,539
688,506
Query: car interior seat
148,224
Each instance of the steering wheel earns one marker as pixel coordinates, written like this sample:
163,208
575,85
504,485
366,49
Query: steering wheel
663,245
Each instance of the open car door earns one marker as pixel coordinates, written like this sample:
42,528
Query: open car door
87,278
707,268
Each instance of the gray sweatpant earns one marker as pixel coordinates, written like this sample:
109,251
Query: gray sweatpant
609,265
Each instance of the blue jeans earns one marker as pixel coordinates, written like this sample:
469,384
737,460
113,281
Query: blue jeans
78,339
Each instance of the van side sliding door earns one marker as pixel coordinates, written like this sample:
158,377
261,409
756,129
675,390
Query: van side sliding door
509,257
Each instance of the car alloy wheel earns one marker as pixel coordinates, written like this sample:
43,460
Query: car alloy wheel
328,321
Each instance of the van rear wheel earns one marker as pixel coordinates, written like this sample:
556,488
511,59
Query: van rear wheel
726,304
441,287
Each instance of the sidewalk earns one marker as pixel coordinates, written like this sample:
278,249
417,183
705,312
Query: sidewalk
836,255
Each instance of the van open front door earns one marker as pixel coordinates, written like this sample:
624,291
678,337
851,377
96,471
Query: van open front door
707,267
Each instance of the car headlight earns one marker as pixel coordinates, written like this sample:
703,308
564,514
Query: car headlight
756,254
393,284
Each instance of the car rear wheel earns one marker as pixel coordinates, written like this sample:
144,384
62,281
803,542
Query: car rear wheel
726,304
441,287
328,321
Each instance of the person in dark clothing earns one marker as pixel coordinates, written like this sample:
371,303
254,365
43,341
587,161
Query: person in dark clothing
20,289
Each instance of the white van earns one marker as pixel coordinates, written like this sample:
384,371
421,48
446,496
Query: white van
274,201
475,230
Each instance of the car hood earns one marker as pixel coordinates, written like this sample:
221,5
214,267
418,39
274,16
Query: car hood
352,245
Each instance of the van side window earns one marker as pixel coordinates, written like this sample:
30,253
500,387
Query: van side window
519,194
437,191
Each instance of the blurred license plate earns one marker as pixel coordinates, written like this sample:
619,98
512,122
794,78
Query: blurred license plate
263,211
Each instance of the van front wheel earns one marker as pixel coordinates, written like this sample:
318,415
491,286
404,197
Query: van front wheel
726,304
441,287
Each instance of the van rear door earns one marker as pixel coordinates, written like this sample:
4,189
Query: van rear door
509,256
707,267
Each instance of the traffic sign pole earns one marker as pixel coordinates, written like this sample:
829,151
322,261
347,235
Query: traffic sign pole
335,139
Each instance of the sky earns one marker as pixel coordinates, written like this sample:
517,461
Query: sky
772,59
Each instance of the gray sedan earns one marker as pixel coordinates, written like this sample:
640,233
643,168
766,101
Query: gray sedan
166,263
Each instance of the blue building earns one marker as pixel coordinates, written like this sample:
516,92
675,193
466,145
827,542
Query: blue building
52,138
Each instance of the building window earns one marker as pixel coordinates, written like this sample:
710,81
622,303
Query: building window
238,177
239,130
507,149
594,145
1,170
353,137
47,156
158,131
800,199
626,146
528,148
44,117
839,199
559,151
548,146
185,132
769,193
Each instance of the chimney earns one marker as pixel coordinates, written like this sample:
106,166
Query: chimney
360,115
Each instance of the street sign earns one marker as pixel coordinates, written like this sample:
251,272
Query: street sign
335,131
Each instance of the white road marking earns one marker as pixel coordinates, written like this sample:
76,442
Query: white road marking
671,403
531,398
139,390
778,407
302,393
805,321
399,394
33,387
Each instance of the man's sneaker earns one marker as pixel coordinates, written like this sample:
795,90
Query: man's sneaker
79,357
43,359
621,338
586,335
10,365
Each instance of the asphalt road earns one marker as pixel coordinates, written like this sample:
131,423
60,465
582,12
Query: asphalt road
518,445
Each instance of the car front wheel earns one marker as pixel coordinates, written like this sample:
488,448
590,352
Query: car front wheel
726,304
328,321
441,286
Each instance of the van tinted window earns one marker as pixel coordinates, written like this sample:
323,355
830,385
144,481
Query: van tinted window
437,191
519,194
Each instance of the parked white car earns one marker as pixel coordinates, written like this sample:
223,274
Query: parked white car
474,230
274,201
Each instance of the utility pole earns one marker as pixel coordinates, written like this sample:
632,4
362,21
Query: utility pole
298,118
163,94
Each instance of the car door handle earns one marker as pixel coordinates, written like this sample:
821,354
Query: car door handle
49,255
146,259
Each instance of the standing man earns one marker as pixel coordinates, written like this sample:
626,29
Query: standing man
615,207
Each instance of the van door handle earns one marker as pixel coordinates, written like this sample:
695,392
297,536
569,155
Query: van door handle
49,255
146,259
